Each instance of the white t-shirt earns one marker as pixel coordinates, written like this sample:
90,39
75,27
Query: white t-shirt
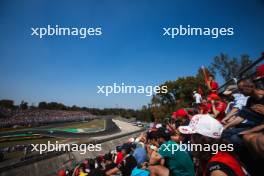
240,100
198,98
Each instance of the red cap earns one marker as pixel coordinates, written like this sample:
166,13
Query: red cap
214,85
179,113
61,172
213,97
260,70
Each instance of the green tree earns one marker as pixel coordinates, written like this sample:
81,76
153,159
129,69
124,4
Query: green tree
23,105
42,105
9,104
228,67
145,114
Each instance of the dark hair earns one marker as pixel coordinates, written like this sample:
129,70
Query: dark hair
82,166
126,147
248,81
128,150
108,157
260,84
151,135
133,145
211,75
204,156
91,164
181,122
163,133
118,148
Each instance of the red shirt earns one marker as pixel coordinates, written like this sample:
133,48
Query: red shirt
205,108
119,158
220,107
209,107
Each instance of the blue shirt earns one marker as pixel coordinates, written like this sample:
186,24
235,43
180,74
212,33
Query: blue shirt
140,155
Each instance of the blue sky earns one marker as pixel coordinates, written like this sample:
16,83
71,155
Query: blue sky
131,50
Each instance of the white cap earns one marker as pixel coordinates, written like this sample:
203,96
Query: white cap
203,124
158,125
131,140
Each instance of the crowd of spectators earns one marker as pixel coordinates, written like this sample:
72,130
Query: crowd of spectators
37,117
231,121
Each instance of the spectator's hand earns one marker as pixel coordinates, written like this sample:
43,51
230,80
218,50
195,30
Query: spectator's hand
224,121
228,119
234,121
231,119
141,135
149,151
145,165
259,108
253,130
170,127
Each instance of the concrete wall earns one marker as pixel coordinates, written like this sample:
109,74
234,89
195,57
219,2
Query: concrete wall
52,165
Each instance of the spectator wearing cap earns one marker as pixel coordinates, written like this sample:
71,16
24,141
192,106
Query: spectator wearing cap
128,163
218,106
119,156
204,129
180,113
177,161
180,117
